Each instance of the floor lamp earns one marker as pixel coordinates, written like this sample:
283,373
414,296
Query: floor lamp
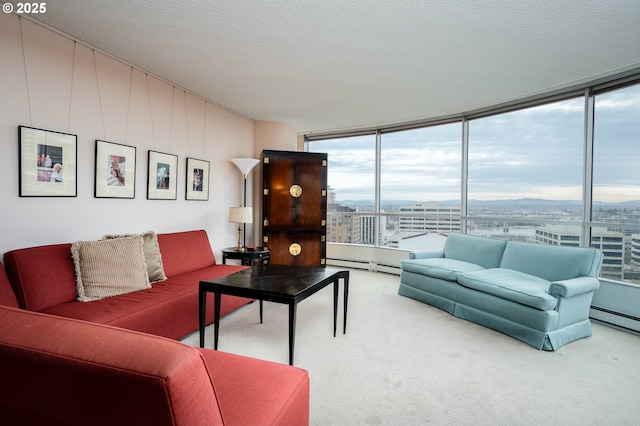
245,165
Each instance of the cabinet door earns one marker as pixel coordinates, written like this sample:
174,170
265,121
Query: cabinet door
294,207
298,248
295,190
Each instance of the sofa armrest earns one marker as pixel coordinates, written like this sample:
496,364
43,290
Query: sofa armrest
425,254
574,286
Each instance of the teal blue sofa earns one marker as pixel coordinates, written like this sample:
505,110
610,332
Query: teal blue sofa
540,294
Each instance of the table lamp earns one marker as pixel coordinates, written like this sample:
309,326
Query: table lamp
240,215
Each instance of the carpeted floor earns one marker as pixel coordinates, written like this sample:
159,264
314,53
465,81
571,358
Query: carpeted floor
406,363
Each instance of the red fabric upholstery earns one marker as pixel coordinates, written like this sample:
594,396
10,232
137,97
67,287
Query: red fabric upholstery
7,296
169,308
185,252
60,371
241,379
43,279
42,276
65,372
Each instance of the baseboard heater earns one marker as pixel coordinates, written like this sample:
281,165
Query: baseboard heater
368,266
619,320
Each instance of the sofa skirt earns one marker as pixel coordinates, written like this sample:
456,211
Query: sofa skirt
535,338
434,291
428,298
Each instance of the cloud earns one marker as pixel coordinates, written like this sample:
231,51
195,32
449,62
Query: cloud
536,152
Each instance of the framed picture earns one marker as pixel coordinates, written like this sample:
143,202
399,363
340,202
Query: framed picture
197,180
48,163
162,176
115,170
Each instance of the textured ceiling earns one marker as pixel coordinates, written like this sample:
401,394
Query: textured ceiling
329,65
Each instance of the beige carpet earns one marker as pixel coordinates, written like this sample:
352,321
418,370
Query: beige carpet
406,363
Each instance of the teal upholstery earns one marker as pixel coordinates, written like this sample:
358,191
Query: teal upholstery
553,263
446,269
539,294
485,252
511,285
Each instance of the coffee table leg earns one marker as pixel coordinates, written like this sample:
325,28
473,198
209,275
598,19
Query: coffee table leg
346,298
292,330
202,304
216,318
336,285
260,311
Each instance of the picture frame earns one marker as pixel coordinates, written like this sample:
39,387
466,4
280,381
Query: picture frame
162,176
48,163
115,170
197,182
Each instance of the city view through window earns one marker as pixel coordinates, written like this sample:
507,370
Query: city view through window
529,177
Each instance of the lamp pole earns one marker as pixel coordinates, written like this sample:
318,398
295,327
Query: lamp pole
244,204
245,165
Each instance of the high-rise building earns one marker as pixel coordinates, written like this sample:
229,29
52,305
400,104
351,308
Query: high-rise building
635,249
429,216
368,232
343,228
611,243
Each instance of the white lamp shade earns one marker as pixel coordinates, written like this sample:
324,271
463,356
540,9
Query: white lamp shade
240,215
245,164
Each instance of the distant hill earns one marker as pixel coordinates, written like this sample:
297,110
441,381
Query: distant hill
536,203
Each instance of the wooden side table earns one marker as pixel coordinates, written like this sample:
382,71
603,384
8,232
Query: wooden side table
246,257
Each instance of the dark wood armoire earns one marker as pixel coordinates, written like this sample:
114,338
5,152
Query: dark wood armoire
294,207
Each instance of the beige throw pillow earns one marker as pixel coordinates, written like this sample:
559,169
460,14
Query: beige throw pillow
152,255
108,268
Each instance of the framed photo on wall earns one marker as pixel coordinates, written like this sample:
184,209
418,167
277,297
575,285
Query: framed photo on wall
115,171
197,180
48,163
162,176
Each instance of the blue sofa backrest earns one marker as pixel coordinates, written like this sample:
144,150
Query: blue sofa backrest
482,251
552,263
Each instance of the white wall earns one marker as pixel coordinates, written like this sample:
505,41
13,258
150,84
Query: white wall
275,136
49,81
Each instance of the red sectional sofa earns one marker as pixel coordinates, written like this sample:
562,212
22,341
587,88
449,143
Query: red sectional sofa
43,279
61,371
66,371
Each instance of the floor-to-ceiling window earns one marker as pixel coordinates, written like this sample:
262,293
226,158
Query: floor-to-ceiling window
351,195
616,182
525,174
546,171
420,175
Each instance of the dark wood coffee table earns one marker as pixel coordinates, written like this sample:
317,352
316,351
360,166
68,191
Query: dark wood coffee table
273,283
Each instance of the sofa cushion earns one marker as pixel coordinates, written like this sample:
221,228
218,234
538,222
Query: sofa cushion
185,251
170,309
277,394
108,268
443,268
42,276
554,263
152,256
482,251
511,285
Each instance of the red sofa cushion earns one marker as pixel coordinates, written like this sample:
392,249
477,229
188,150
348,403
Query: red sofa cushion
277,394
42,276
64,371
7,296
178,254
169,309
